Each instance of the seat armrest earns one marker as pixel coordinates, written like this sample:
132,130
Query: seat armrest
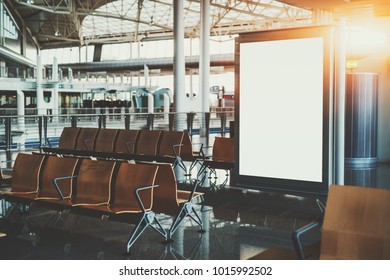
297,234
139,200
127,146
194,183
85,143
55,180
174,147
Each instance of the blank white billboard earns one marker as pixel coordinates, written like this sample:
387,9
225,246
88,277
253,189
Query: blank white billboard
281,109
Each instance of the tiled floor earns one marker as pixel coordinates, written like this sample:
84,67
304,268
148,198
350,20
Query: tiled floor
238,225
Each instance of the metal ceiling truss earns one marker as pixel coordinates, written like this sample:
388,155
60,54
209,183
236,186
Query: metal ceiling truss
57,23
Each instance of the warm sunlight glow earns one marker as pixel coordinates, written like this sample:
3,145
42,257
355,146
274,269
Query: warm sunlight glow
363,41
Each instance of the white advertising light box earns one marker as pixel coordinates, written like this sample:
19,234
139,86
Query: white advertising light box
283,96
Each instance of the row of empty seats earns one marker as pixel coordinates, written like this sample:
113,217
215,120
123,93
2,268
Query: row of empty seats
104,188
163,146
173,147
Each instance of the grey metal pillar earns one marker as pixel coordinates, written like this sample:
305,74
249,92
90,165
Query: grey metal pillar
204,58
40,100
2,40
361,120
55,90
20,108
178,56
146,75
340,60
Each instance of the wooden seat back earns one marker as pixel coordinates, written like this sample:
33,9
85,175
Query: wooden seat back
165,196
223,149
126,138
186,151
128,178
55,167
94,182
105,140
147,143
26,172
86,139
68,138
356,224
168,140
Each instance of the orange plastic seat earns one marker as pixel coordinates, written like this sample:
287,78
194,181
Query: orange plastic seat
126,141
355,225
68,138
57,167
86,139
147,143
105,140
169,200
132,193
26,176
222,158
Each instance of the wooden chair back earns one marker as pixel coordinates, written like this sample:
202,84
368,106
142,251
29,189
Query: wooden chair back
55,167
169,139
86,139
105,140
130,177
223,149
26,173
126,141
165,196
94,182
147,143
186,151
356,224
68,138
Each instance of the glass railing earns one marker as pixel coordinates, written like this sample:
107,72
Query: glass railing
29,132
18,72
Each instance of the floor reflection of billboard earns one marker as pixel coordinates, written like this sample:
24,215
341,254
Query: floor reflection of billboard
281,109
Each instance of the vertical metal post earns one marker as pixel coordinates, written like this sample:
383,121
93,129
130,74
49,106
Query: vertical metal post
127,121
190,122
2,38
100,120
39,78
178,55
73,121
204,58
207,116
340,101
223,123
171,122
104,120
8,133
40,130
231,129
45,119
150,121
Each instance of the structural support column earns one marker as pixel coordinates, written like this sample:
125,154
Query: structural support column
166,108
340,72
150,103
20,108
178,56
2,23
204,58
55,90
40,99
146,75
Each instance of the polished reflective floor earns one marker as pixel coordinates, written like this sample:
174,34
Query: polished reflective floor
238,225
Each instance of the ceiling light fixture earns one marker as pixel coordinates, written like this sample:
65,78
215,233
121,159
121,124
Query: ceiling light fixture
151,21
30,2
